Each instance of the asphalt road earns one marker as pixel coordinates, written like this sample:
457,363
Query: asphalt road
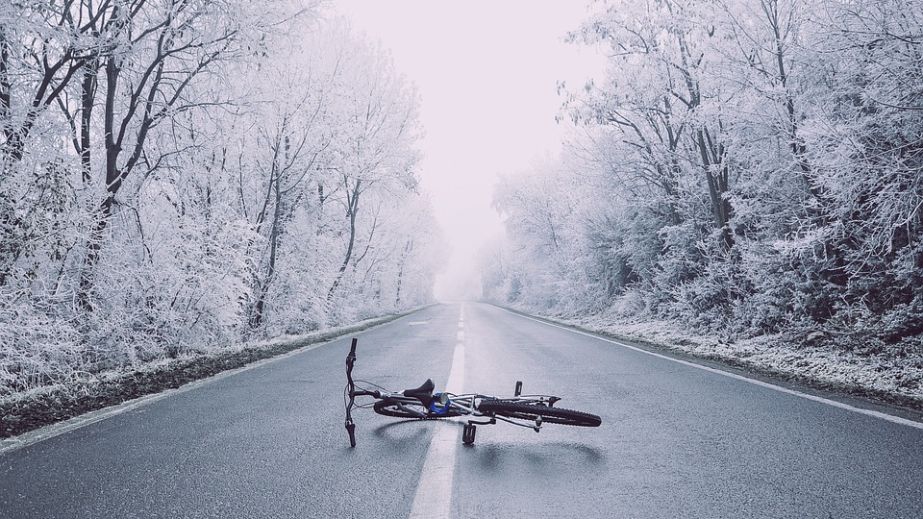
676,441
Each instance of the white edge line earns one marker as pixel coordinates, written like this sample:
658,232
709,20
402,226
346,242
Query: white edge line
56,429
807,396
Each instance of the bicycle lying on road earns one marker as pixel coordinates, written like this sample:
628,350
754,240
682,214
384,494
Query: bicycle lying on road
531,411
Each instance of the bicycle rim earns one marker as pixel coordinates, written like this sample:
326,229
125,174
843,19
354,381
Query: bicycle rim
523,411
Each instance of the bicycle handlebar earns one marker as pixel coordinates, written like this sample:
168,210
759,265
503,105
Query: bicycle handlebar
351,393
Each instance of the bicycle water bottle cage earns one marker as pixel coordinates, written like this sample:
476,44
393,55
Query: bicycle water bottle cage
423,393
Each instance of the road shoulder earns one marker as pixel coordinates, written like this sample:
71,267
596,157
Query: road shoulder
851,395
35,417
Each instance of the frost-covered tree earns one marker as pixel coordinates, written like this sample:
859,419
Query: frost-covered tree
178,176
754,166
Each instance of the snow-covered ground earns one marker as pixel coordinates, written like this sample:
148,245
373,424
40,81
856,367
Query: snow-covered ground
24,411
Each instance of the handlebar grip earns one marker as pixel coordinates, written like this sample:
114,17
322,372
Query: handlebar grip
350,360
351,429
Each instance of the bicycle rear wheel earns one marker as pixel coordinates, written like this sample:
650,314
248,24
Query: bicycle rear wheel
524,411
404,409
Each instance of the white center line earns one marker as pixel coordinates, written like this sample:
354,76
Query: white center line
433,499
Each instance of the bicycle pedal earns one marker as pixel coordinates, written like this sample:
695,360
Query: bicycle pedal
468,434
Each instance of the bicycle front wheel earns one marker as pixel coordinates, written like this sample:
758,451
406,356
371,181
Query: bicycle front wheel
524,411
404,409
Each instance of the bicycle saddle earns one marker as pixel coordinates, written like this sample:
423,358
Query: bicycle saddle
423,393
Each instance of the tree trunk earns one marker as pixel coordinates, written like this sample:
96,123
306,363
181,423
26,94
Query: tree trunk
400,272
113,183
353,207
87,98
5,87
717,186
256,318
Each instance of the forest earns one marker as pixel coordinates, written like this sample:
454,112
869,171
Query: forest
179,176
745,168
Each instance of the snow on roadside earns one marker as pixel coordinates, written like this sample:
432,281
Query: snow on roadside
892,374
284,341
25,411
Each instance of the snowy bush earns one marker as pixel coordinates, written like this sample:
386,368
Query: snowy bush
749,168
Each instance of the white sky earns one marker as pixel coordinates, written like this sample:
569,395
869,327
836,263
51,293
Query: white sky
487,72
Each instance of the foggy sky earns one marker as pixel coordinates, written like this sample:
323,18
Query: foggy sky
487,73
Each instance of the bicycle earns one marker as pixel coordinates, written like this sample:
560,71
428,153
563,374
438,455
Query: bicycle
421,403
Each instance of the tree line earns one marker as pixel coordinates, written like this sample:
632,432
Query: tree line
181,175
745,166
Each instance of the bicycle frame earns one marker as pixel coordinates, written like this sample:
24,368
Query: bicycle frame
465,404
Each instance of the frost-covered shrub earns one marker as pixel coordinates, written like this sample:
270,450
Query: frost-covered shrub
745,170
37,349
630,304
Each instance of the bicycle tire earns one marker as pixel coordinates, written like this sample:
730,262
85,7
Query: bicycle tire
389,407
532,411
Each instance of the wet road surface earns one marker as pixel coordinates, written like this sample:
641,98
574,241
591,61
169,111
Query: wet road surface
676,441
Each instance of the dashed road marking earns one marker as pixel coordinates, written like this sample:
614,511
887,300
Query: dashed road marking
433,498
